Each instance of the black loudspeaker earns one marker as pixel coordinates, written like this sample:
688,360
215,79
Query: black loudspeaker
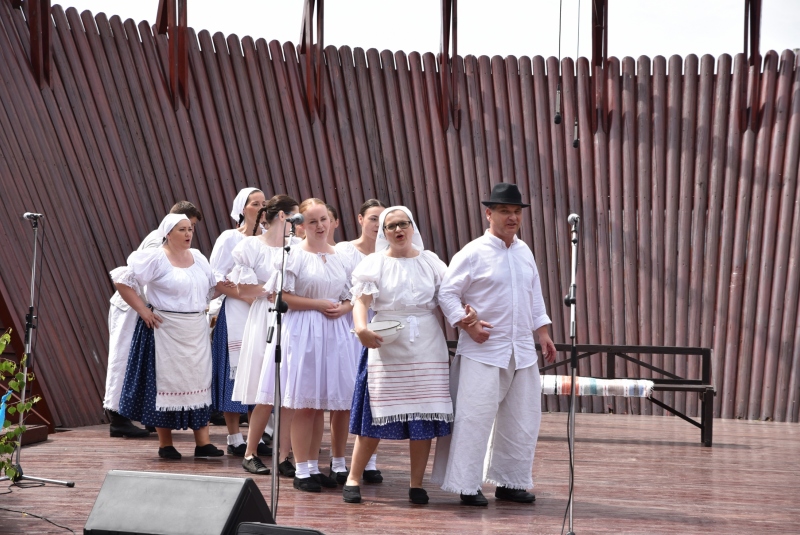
148,503
265,529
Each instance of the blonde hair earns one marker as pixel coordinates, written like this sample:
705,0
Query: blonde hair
308,203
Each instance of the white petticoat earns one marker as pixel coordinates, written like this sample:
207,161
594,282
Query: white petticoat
121,324
251,358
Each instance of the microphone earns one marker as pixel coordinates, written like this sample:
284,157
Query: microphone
31,216
575,135
296,219
557,118
573,219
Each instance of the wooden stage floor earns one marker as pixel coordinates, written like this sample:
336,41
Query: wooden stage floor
634,474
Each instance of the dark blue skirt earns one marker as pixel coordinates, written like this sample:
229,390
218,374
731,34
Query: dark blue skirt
221,383
138,401
361,416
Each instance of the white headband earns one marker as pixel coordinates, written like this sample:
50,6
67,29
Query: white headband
239,202
169,222
382,243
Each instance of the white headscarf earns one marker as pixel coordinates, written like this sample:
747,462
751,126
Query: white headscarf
382,243
168,223
239,202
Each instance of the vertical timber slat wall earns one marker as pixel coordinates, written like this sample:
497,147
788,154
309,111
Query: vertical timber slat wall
690,220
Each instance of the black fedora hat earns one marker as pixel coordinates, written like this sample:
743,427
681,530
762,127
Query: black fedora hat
505,193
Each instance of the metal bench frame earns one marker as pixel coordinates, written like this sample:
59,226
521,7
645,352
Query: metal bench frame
670,383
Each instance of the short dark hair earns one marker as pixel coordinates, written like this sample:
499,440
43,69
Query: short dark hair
333,211
188,209
370,203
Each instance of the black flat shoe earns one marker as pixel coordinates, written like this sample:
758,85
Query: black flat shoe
474,499
237,451
264,450
255,466
209,450
325,481
372,476
306,484
169,453
340,477
286,468
513,495
351,494
123,427
417,496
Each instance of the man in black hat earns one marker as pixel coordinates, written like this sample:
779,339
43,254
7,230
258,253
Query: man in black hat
496,361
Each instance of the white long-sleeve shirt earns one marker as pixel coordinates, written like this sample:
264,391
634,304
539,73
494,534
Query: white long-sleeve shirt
502,284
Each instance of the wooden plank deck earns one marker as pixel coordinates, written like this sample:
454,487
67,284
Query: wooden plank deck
634,474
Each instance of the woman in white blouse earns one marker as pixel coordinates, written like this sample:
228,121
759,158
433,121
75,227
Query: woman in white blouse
358,249
402,390
168,379
255,259
227,338
319,371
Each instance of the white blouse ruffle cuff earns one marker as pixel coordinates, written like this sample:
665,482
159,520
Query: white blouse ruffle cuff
124,275
243,275
364,288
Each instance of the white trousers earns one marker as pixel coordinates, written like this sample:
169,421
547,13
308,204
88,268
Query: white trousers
498,413
121,324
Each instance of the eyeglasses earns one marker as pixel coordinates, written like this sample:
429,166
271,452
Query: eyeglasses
402,225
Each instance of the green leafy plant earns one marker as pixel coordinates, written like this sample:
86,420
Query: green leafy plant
10,437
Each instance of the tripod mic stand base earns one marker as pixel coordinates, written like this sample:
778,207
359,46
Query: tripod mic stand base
20,476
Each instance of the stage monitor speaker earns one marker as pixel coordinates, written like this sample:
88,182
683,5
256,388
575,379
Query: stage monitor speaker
252,528
148,503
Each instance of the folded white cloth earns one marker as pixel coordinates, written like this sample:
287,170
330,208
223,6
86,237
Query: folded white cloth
589,386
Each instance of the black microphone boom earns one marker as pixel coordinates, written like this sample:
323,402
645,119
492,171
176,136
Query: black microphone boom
297,219
557,118
575,142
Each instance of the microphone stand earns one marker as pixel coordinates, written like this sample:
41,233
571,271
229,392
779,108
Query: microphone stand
27,360
280,308
569,300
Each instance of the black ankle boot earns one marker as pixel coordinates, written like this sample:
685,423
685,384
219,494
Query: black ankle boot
123,427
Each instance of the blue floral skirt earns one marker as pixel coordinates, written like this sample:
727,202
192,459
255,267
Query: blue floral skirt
138,401
361,416
221,383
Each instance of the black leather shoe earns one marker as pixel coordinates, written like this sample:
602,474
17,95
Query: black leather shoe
514,495
169,453
325,481
474,499
123,427
264,450
237,451
417,496
306,484
340,477
255,466
372,476
351,493
209,450
286,468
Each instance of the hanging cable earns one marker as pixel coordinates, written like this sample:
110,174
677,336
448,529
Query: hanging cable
557,117
575,140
